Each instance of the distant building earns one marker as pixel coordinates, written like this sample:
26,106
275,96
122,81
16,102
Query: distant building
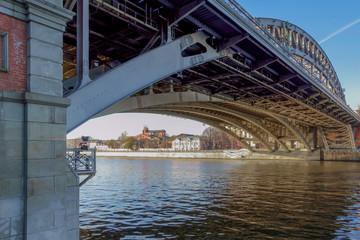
188,143
150,134
152,139
99,145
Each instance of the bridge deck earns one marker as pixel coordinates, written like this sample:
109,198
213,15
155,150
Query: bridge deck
258,70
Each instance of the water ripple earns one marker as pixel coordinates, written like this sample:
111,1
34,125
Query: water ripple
174,199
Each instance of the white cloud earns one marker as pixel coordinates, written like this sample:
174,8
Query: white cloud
340,30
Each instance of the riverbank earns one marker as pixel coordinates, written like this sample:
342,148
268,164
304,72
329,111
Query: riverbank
223,154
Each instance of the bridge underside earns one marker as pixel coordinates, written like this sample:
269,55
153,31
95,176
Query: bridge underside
250,80
268,130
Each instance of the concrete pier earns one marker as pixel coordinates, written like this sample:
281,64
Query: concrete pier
38,191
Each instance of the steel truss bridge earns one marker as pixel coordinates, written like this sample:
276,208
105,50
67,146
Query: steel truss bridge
209,61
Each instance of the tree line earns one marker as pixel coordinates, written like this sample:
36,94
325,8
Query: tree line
213,139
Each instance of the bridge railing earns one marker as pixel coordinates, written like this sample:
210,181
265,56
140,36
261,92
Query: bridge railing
254,23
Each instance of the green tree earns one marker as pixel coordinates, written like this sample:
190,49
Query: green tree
122,137
129,142
111,143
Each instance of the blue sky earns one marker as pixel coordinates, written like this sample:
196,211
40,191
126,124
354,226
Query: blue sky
320,18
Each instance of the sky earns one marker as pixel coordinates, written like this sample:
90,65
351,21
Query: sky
335,24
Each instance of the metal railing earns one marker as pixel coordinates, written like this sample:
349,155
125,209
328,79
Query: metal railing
82,161
245,15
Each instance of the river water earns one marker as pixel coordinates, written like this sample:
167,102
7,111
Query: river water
213,199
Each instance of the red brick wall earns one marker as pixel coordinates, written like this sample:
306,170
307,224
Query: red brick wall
15,78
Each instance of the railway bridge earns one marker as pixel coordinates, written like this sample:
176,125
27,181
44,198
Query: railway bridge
63,62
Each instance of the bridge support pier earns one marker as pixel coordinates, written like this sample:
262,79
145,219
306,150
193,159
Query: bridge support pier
39,194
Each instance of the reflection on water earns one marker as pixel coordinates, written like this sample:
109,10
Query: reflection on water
175,199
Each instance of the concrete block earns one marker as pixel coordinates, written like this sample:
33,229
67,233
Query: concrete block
60,184
72,194
11,169
45,68
39,222
40,186
60,218
18,237
53,234
46,34
41,150
46,168
11,207
72,221
13,150
73,233
11,9
16,226
10,111
60,115
36,98
44,85
12,131
46,51
11,188
60,149
2,152
58,132
39,131
4,227
72,207
71,179
38,204
41,113
47,17
46,131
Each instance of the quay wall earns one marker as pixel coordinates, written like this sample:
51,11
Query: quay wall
196,155
233,154
342,155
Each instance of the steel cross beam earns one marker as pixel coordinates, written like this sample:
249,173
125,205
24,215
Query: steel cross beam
135,75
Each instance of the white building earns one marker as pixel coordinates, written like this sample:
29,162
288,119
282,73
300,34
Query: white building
187,143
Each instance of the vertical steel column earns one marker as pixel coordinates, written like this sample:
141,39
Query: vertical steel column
82,43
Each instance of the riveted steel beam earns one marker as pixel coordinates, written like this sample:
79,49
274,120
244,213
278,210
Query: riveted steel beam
294,130
186,10
132,76
263,63
232,41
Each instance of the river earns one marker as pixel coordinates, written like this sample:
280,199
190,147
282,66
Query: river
221,199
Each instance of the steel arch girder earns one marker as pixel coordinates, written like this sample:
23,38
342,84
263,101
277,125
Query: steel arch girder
133,76
218,118
246,117
294,130
251,119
